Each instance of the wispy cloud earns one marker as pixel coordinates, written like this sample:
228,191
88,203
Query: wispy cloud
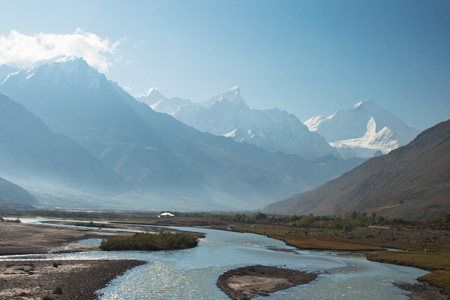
25,49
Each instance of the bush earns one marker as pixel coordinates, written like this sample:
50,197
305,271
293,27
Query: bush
150,242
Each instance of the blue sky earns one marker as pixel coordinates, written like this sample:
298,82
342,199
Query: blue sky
307,57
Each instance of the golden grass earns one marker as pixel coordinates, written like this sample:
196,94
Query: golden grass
438,263
307,239
438,278
315,244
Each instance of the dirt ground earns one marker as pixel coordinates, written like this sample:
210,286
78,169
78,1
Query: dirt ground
53,279
56,280
18,238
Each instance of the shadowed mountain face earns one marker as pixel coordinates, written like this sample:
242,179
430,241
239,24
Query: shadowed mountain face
29,149
410,182
13,196
155,152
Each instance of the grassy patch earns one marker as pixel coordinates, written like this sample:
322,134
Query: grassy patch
436,262
312,238
304,243
438,278
150,242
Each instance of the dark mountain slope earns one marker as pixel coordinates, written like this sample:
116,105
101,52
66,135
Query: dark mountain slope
11,194
29,149
410,182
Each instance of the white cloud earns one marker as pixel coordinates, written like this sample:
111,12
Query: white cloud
25,49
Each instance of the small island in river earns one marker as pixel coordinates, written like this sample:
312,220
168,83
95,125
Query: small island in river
252,281
150,242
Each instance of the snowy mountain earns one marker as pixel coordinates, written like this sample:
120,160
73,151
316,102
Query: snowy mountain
171,165
6,71
227,114
366,130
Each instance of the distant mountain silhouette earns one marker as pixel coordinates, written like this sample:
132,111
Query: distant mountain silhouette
410,182
13,196
29,149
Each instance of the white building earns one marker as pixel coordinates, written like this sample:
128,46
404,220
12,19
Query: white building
166,215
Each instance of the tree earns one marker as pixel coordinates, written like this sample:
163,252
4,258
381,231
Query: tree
260,216
446,218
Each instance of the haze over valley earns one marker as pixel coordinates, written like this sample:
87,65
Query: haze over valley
172,149
75,139
126,150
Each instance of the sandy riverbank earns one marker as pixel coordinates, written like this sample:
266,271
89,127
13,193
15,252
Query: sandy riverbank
18,238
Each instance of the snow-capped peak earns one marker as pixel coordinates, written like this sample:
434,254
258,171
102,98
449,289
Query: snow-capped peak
235,90
155,93
232,95
369,106
58,59
64,70
356,129
314,122
357,105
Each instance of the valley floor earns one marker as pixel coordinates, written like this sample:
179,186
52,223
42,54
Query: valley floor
427,248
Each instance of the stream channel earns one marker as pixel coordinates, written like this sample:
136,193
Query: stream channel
192,273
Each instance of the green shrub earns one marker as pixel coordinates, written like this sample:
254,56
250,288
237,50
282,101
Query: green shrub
150,242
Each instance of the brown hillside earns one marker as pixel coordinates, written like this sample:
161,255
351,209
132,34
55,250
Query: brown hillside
410,182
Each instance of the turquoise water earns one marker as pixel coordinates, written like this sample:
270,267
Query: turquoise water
192,273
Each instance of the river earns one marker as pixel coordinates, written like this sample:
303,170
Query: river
192,273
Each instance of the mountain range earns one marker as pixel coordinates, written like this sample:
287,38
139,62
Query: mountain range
364,131
88,134
409,182
227,114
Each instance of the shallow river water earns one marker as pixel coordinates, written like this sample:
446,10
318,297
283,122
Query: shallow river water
192,273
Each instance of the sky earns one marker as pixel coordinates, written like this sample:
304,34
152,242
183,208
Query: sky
307,57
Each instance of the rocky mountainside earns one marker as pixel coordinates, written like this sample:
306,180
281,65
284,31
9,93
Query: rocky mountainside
171,165
410,182
227,114
366,130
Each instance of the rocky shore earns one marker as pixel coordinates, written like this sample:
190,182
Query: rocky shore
59,279
252,281
422,291
53,279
